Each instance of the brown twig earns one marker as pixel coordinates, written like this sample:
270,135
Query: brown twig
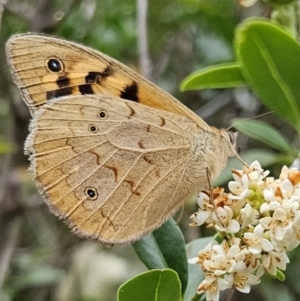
7,251
144,60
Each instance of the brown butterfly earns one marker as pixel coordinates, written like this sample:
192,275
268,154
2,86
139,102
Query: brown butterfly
110,152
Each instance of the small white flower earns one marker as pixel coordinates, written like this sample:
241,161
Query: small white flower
256,242
252,261
274,260
233,252
271,203
278,224
212,285
242,279
256,173
287,188
237,188
293,242
285,172
205,211
219,266
250,216
224,220
204,254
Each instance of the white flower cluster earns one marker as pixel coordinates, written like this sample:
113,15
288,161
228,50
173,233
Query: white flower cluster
257,223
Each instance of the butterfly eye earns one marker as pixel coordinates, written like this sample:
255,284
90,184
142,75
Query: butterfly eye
93,128
91,193
102,115
55,65
232,138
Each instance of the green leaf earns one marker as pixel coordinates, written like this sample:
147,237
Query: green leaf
149,252
196,275
164,248
226,75
269,60
261,131
155,285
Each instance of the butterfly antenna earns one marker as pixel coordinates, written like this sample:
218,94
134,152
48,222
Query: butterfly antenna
255,117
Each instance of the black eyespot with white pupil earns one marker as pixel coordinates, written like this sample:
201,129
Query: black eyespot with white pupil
102,115
93,128
55,65
91,193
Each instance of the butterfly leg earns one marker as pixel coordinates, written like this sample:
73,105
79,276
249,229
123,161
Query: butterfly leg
208,175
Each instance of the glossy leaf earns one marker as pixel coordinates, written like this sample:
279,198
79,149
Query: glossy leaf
261,131
164,248
149,252
270,62
155,285
226,75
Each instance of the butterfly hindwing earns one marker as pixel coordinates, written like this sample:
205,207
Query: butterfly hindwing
114,169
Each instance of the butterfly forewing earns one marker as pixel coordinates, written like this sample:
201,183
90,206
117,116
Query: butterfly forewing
46,67
113,168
